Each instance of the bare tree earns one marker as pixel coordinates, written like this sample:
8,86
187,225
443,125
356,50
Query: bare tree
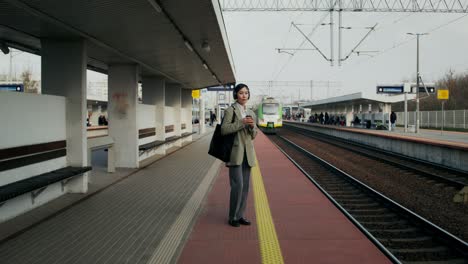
457,84
30,85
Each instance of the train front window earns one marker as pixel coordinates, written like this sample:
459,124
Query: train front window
270,109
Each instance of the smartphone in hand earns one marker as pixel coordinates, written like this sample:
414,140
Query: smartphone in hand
251,122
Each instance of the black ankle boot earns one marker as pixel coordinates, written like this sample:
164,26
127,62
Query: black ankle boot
243,221
234,223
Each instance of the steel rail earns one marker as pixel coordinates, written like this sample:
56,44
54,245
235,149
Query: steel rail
374,240
332,140
450,239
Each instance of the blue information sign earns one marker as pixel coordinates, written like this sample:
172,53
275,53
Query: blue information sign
423,89
227,87
389,89
14,87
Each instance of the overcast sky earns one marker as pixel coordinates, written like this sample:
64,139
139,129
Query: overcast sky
23,60
254,37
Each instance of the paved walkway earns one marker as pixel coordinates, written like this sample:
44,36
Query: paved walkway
126,222
439,135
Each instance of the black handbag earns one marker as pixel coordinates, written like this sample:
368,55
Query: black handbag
221,146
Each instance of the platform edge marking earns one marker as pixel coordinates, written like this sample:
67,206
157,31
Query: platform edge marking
270,249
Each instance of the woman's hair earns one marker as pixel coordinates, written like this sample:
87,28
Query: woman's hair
238,88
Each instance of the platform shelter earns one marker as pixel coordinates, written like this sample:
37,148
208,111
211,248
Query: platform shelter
169,47
375,108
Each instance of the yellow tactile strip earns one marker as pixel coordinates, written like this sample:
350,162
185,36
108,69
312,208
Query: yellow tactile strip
269,246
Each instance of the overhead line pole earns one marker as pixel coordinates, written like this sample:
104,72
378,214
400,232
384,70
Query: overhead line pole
340,28
311,90
339,32
417,84
331,32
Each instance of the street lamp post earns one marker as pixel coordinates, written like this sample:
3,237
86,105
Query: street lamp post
417,77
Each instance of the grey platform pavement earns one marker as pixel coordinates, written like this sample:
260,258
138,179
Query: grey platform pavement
436,134
141,218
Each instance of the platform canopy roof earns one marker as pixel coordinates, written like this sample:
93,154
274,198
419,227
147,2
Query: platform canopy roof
356,98
156,34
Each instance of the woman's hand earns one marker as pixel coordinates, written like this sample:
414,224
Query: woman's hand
248,120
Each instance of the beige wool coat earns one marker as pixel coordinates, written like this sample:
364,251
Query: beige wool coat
243,140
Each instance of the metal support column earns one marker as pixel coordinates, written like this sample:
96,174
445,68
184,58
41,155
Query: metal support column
406,114
417,84
331,33
340,28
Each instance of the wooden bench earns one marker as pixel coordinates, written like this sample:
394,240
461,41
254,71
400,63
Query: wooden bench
148,132
173,138
16,157
151,145
37,184
186,134
158,143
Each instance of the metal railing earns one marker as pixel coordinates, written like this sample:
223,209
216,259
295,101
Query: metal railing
435,119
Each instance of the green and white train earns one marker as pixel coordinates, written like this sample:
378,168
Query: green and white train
269,115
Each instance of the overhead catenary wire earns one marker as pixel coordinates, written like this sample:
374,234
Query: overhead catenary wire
378,29
313,31
265,87
399,44
286,37
300,46
375,29
359,43
277,57
354,67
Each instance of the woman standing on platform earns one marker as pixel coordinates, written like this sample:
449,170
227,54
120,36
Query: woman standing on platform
242,154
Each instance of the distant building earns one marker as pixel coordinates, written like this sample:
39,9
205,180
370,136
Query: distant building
97,91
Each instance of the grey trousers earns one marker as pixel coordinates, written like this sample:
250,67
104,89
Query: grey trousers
239,177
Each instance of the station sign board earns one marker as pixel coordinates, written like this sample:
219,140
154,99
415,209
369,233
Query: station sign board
218,89
195,94
221,88
390,89
14,87
442,94
404,88
422,89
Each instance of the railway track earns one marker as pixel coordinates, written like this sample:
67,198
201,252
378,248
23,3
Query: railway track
439,174
402,235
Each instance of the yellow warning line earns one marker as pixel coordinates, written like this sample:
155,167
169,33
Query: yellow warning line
269,245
